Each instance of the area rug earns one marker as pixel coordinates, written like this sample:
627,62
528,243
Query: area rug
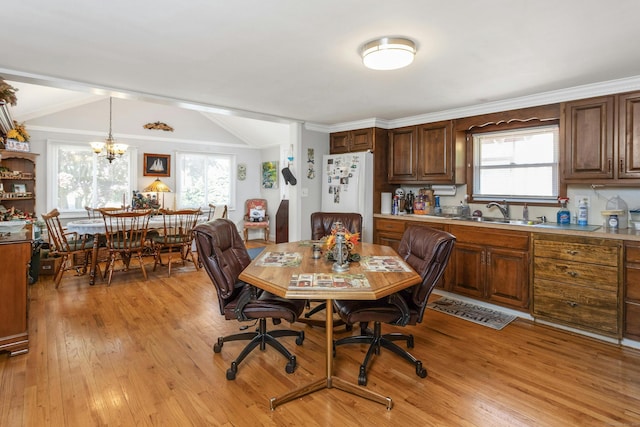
473,313
254,252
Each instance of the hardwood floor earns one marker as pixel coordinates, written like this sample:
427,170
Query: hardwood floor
139,353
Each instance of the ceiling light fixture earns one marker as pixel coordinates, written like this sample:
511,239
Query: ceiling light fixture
110,149
388,53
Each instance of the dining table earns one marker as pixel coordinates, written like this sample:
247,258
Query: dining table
96,227
291,270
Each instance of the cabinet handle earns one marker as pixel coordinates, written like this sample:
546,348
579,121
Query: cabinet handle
482,258
572,304
609,165
572,273
572,252
621,166
488,259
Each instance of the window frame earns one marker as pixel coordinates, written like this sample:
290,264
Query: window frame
180,171
52,174
505,126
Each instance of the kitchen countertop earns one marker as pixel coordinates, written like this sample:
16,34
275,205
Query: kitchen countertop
629,234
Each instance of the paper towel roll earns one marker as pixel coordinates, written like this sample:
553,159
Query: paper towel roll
385,203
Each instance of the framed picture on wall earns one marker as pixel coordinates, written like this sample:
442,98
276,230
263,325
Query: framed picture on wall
157,164
270,175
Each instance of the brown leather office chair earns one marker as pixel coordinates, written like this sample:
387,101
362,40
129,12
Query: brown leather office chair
321,225
224,256
427,251
67,244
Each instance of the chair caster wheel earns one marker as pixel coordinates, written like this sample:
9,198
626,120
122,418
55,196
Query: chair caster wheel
217,347
420,371
231,372
362,378
300,338
410,342
291,366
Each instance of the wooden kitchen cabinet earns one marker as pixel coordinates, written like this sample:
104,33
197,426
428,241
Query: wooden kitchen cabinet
355,140
602,139
632,291
14,266
576,282
490,266
422,154
388,232
21,174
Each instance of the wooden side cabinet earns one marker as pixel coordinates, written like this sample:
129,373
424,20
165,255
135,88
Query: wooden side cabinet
632,290
490,266
576,282
14,266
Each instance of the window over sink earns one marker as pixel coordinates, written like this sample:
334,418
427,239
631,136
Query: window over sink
516,165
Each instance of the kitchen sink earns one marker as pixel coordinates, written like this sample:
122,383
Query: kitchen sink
495,220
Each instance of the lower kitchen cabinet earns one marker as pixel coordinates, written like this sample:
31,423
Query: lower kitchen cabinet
576,282
632,291
14,266
388,232
490,266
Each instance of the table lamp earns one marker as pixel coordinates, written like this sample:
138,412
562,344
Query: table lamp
157,186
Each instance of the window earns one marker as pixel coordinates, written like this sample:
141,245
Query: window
84,179
518,165
204,179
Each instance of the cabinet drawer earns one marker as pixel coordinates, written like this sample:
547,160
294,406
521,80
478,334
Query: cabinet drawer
632,283
585,253
487,237
390,225
601,277
632,254
576,306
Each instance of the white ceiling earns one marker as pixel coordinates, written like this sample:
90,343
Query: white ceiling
299,60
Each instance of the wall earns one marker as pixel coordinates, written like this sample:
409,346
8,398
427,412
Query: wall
311,187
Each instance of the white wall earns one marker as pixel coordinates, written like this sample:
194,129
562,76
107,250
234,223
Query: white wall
311,188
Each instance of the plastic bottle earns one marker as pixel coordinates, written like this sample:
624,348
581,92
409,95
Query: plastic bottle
466,211
563,216
437,210
583,212
525,212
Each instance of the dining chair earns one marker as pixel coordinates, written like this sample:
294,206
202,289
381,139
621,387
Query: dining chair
216,211
224,256
322,225
126,237
177,235
74,248
256,217
96,213
427,251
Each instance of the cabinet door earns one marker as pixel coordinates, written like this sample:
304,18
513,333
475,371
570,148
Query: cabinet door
402,155
468,271
339,142
629,136
589,138
508,277
435,153
361,140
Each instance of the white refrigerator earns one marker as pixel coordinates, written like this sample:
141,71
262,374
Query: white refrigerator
347,186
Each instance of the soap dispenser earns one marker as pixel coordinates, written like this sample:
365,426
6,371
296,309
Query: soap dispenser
563,216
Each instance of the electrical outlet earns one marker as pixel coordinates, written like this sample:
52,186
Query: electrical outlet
579,198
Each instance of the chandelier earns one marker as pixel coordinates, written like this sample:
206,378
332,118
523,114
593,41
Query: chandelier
110,149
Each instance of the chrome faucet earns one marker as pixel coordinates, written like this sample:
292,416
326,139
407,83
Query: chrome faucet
504,208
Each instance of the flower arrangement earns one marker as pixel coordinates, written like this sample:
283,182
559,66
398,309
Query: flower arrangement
351,240
19,132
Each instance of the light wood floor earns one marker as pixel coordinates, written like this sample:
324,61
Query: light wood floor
139,353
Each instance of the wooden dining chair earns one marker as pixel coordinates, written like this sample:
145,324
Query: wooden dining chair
216,211
74,249
177,235
126,234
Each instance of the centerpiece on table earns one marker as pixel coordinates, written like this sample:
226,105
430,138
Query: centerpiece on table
340,246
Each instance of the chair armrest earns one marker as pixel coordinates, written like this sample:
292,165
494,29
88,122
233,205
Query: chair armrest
398,301
248,294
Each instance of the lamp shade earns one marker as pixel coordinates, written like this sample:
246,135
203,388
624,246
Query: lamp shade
157,186
388,53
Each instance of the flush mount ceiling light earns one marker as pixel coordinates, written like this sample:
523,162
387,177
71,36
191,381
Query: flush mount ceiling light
388,53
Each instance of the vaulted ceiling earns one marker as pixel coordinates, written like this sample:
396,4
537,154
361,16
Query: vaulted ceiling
299,60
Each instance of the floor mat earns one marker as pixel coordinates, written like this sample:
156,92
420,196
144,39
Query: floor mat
473,313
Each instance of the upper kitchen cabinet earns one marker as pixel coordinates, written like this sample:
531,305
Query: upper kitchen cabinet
355,140
422,154
602,139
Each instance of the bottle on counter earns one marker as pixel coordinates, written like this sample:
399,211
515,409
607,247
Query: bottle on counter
583,212
563,216
525,212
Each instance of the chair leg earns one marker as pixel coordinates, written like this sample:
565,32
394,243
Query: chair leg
260,338
376,340
60,272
